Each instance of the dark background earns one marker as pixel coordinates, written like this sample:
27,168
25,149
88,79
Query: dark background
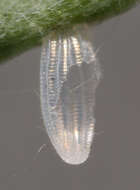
114,163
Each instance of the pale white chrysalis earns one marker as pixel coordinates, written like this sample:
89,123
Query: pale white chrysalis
69,75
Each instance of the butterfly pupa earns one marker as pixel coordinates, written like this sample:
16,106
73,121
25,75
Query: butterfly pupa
69,75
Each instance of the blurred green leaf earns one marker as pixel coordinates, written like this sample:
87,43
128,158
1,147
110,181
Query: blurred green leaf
24,23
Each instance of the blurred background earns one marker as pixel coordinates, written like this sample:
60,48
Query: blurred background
114,163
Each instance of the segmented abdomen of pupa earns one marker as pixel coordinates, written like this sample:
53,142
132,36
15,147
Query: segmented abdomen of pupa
69,75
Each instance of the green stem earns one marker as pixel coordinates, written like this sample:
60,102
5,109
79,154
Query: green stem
24,23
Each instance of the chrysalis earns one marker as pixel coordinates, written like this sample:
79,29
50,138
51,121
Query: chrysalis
69,75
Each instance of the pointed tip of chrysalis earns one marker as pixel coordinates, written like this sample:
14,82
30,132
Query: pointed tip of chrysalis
76,159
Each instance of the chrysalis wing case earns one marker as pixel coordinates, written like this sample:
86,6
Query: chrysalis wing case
69,75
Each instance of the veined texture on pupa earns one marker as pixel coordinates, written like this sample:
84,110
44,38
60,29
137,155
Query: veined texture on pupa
69,75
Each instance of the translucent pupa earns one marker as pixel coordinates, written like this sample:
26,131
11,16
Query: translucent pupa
69,75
